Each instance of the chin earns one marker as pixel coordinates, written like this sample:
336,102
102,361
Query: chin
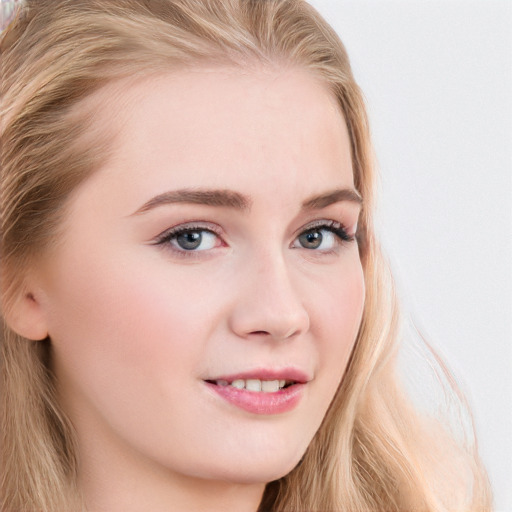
262,470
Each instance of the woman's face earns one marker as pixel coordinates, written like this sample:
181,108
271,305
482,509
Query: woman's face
212,255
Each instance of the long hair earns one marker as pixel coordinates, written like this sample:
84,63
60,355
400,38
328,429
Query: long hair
374,451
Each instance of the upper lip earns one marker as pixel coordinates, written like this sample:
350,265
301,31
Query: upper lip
289,374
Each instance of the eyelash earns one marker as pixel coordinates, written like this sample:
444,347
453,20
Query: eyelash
167,236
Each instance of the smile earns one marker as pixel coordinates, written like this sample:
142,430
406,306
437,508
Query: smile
263,392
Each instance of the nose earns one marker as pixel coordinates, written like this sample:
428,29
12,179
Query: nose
267,303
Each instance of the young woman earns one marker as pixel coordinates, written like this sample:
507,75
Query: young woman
197,315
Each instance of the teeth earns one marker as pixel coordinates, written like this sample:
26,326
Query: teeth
253,385
239,384
256,385
269,386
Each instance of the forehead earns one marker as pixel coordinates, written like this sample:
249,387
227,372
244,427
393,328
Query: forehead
226,128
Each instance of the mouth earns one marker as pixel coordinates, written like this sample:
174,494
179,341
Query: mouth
264,392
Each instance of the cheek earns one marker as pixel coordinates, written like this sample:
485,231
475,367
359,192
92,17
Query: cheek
338,317
120,328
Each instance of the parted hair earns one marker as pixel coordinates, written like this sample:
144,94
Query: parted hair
374,450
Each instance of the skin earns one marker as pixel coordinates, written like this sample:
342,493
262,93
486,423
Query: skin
136,326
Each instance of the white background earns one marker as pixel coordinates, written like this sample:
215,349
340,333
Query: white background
437,77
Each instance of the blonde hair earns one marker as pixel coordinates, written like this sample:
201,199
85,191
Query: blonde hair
373,451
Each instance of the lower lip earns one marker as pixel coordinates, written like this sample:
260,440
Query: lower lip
255,402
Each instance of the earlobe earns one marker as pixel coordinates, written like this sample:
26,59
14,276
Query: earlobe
26,317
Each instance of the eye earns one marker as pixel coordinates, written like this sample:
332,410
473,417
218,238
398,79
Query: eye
317,239
324,236
189,239
195,240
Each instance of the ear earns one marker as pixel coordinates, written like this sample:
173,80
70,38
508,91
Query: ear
26,317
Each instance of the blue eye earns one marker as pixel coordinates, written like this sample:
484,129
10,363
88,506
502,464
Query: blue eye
324,237
189,239
195,240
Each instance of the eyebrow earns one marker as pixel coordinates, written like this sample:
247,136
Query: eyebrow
237,201
334,196
220,198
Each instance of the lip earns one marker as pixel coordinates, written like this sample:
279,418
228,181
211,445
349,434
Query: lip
261,403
